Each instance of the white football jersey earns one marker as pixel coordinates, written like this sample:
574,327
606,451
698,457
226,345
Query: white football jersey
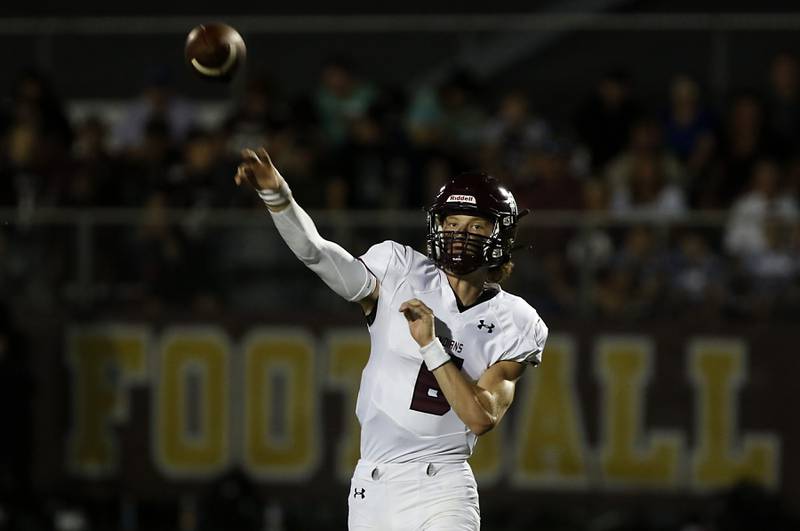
403,413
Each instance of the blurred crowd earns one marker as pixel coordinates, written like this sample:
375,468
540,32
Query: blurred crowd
640,170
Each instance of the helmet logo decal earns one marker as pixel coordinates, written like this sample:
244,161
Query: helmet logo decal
462,199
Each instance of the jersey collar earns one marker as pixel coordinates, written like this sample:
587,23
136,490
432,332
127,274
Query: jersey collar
454,305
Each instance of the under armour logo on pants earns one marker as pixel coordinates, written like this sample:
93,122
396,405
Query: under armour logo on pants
359,493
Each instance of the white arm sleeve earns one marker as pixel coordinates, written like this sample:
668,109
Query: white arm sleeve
345,274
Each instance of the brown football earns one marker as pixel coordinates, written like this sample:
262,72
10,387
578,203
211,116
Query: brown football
215,51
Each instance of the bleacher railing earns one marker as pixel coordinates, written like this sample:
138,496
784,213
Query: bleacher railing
83,234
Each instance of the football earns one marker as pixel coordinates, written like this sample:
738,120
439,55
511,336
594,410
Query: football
215,51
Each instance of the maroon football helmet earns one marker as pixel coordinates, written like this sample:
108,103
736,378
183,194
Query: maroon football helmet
475,194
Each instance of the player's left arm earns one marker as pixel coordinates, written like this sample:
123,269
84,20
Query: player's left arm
480,405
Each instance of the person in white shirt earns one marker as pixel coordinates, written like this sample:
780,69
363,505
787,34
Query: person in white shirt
746,231
447,346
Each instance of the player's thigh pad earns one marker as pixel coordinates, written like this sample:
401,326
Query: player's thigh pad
452,502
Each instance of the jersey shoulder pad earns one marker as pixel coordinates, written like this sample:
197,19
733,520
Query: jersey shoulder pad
528,330
388,259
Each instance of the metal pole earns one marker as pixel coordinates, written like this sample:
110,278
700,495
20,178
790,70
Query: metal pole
84,259
586,273
719,64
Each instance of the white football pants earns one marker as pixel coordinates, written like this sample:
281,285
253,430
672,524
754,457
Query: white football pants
413,497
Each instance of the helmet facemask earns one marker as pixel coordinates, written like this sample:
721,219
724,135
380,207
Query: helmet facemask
462,252
475,194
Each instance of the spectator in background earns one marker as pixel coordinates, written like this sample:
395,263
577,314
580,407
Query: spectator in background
300,155
257,114
167,264
545,180
147,166
604,121
646,174
8,186
28,181
342,98
35,103
688,126
92,183
791,186
201,177
436,171
647,192
592,247
450,118
745,234
512,133
373,165
157,103
743,144
774,271
783,107
696,277
629,288
34,164
19,181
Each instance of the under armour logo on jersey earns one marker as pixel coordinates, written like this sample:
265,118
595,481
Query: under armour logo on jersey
489,327
359,493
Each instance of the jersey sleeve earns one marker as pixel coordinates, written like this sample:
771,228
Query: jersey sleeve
388,261
528,345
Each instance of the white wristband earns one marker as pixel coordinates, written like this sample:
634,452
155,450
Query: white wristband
275,198
434,354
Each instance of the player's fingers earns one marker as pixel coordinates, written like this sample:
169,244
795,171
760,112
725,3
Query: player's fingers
250,156
419,305
239,177
410,309
410,313
264,155
241,174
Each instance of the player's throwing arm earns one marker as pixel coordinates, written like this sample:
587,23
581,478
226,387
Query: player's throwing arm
345,275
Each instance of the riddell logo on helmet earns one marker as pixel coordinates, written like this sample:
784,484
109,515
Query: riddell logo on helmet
461,199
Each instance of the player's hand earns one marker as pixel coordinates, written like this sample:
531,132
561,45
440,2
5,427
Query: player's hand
420,321
257,169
